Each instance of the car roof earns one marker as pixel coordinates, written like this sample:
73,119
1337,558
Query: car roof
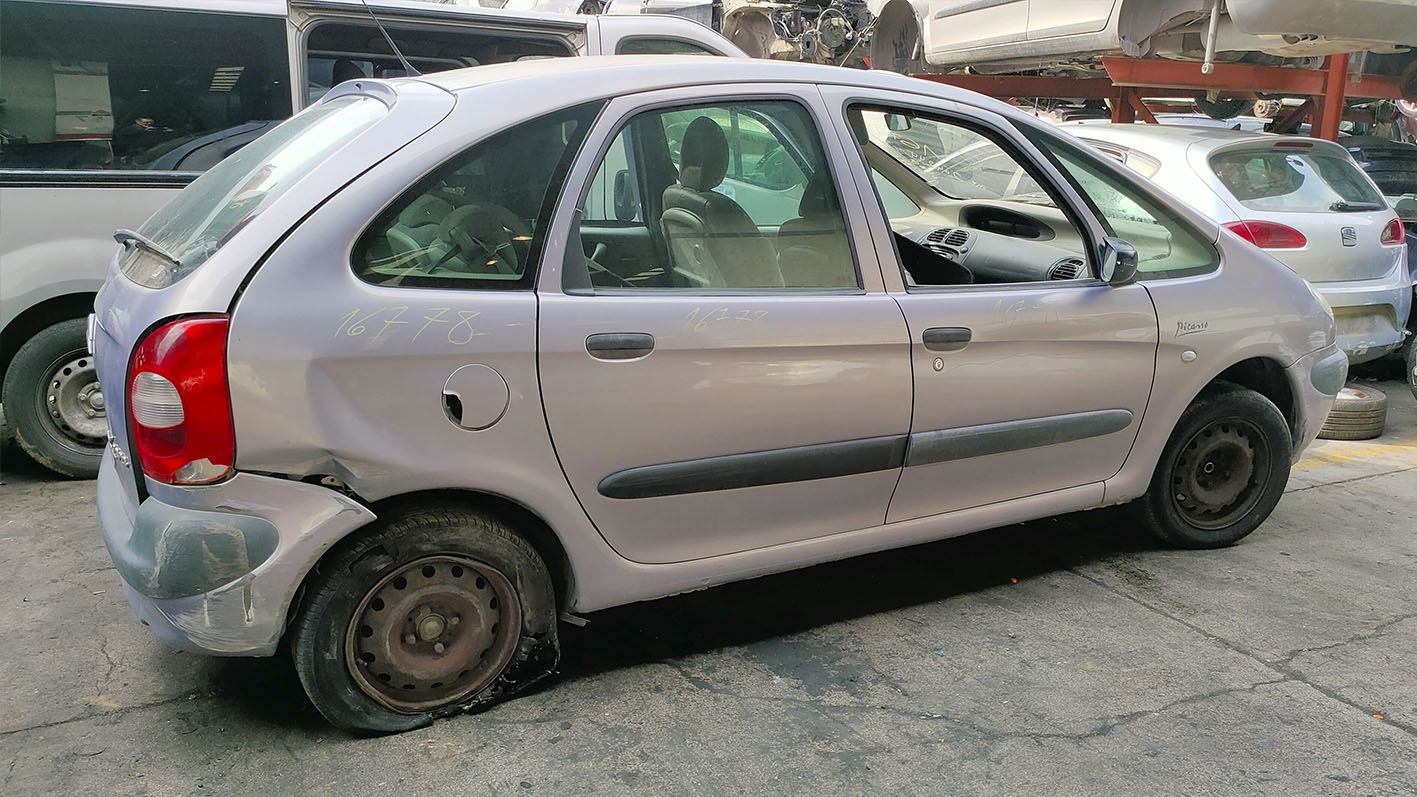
1157,139
620,74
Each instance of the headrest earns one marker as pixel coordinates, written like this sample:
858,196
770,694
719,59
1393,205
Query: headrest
703,155
818,197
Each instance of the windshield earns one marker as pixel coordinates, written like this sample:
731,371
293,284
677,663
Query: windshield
227,197
1291,180
956,161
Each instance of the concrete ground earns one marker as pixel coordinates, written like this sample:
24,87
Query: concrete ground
1067,656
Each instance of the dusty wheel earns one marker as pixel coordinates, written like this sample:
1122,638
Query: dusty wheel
1359,413
53,401
1411,361
434,612
896,44
1221,473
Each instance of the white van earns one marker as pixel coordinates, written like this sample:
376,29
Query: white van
109,107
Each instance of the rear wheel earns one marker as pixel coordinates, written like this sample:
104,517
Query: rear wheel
1222,471
435,612
53,401
1411,361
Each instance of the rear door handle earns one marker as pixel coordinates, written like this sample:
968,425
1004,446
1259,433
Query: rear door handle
619,345
946,338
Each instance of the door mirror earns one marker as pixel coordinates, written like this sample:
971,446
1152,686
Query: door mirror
624,200
1119,262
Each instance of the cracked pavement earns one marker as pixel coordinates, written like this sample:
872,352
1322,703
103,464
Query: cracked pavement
1064,656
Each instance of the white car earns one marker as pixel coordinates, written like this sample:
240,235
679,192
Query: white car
1012,35
1302,199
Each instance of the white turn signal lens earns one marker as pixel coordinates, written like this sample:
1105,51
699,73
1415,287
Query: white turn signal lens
155,402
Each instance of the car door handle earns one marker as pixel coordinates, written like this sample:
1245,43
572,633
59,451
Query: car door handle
619,345
946,338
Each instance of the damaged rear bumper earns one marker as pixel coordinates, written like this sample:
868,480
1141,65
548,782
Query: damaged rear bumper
214,569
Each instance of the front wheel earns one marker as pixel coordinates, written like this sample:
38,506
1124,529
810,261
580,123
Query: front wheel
1221,473
437,611
53,400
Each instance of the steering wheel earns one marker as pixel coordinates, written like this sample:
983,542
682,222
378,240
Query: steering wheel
484,233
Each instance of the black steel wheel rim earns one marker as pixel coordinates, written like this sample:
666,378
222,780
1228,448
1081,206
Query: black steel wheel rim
433,633
1221,473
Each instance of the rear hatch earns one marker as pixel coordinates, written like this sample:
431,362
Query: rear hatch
193,255
1313,187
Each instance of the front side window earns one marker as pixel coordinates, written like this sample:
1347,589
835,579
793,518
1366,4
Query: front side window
964,208
1295,180
727,196
479,220
104,87
1165,246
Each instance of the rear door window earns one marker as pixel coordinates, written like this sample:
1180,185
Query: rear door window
1294,180
104,87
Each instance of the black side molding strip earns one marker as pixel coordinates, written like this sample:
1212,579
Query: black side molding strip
778,466
946,445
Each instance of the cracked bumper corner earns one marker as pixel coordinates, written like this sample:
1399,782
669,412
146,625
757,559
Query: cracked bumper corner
214,569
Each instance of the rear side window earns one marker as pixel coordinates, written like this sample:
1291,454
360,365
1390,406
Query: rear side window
646,45
1295,180
218,204
103,87
477,221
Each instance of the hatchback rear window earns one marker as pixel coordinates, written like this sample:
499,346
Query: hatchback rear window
226,198
1295,180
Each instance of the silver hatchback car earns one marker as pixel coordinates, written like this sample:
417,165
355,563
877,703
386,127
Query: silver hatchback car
443,360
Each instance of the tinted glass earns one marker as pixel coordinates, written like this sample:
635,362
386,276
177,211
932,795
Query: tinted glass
734,195
653,46
478,220
103,87
223,200
1294,180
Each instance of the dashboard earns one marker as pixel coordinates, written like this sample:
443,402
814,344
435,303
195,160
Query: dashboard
998,241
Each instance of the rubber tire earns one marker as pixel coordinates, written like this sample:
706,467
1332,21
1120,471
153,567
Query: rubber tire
1154,509
350,569
25,412
1411,364
1359,413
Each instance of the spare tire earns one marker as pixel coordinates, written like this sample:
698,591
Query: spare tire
1358,414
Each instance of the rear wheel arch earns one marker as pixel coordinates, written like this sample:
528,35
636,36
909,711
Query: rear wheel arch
33,319
526,522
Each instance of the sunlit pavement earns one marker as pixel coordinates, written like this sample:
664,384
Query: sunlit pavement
1063,656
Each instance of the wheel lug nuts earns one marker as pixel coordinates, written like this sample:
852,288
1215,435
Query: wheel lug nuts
438,647
411,639
453,620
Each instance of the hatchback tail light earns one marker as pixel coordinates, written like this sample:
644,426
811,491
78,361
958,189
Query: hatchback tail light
1393,233
180,404
1268,234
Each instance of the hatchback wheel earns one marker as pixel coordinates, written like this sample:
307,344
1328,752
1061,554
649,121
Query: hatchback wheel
437,611
1222,471
53,401
1411,361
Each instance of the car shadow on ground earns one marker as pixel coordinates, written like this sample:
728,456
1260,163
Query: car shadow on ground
267,691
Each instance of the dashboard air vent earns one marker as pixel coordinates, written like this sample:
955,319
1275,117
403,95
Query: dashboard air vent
1066,269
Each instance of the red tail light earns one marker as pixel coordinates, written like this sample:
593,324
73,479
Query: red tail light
1268,234
1393,233
179,402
